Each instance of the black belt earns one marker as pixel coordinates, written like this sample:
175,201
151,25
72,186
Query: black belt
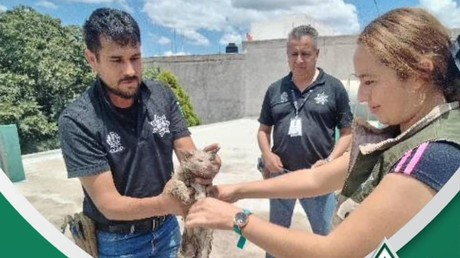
133,228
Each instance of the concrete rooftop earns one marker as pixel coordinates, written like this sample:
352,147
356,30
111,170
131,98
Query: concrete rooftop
49,190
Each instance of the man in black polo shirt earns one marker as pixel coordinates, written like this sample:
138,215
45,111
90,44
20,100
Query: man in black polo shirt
118,138
304,108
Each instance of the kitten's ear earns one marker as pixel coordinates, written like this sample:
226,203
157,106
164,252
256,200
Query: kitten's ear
213,148
188,154
184,155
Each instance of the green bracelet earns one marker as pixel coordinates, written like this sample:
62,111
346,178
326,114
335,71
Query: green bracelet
240,221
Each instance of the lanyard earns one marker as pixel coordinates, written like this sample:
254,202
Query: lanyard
296,105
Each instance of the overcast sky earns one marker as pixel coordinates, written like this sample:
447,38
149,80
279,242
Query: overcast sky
206,26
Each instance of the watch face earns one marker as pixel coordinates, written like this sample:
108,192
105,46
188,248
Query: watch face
241,219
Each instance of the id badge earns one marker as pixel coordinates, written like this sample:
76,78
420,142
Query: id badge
295,127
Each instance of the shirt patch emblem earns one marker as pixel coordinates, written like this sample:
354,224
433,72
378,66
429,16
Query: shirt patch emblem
321,98
284,97
114,141
160,125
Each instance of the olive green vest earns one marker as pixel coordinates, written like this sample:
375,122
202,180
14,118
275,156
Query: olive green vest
374,152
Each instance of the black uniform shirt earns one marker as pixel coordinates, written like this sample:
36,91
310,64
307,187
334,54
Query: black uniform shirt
96,137
321,107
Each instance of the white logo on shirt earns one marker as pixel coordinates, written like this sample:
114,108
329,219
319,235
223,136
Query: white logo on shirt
321,98
113,139
284,97
160,125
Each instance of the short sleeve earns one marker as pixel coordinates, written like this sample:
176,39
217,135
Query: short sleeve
265,116
82,152
431,163
344,115
178,125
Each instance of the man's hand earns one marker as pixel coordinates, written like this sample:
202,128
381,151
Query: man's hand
272,163
172,204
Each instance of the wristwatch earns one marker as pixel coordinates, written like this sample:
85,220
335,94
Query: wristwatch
240,220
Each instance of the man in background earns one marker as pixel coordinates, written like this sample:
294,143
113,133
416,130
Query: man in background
303,109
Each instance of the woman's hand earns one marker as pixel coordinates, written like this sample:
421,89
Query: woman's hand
226,193
211,213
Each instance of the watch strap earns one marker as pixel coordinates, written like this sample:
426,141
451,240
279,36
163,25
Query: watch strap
242,240
237,230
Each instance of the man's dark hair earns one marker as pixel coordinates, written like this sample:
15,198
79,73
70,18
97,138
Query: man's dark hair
115,25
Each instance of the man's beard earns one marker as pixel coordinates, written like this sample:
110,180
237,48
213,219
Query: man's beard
124,94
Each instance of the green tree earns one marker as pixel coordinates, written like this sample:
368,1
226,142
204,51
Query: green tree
42,69
169,79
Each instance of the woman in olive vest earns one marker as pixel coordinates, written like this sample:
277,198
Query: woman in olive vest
408,70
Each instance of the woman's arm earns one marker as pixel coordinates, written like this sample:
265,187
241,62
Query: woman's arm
391,205
342,144
298,184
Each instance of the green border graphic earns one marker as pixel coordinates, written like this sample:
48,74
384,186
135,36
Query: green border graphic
384,248
440,238
19,238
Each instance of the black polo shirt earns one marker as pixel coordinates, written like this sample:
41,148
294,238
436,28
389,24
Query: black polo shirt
96,137
322,107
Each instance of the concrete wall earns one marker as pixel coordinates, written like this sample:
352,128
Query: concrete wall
229,86
266,62
214,83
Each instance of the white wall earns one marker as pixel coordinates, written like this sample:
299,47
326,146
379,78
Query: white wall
229,86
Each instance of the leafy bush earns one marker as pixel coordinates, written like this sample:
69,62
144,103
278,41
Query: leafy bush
42,69
169,79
